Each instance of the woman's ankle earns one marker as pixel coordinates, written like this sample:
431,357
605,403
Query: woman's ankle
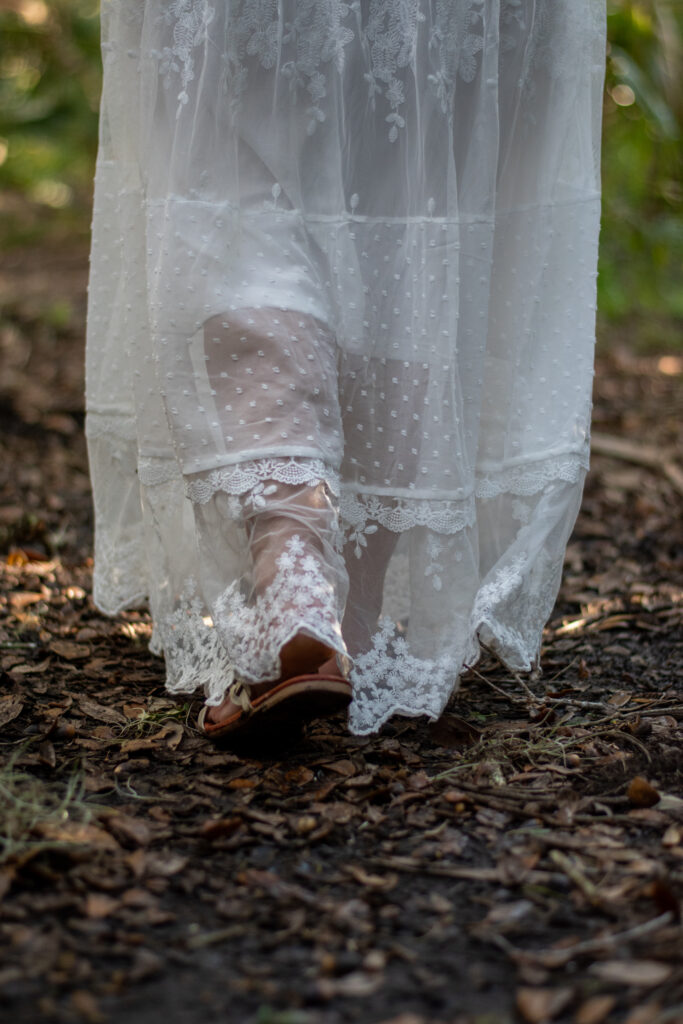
302,655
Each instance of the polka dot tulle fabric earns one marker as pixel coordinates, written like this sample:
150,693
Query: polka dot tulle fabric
340,333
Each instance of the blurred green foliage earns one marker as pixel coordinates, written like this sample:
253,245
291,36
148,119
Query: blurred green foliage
49,91
641,261
49,95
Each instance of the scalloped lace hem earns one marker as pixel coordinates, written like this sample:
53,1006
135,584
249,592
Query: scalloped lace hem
245,638
530,478
117,575
246,476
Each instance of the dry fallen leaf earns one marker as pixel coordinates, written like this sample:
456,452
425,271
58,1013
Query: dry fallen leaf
164,863
648,1013
299,776
595,1010
357,984
220,828
146,965
453,732
343,767
10,708
505,917
304,824
641,793
338,812
86,1007
101,712
671,804
24,599
69,650
98,905
384,882
537,1005
673,836
242,783
74,832
620,698
637,973
128,829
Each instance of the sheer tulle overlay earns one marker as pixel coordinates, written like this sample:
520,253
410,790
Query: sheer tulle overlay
341,330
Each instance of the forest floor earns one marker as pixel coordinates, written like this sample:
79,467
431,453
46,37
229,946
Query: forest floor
520,860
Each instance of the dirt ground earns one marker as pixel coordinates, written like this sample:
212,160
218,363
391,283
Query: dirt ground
520,860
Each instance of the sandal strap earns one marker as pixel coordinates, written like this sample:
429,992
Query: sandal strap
240,694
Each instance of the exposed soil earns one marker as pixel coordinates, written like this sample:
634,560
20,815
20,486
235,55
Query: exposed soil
522,859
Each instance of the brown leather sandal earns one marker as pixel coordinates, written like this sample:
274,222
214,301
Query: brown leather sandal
281,710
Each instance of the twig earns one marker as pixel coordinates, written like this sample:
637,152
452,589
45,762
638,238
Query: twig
573,872
574,702
513,698
213,938
521,682
412,866
640,454
560,957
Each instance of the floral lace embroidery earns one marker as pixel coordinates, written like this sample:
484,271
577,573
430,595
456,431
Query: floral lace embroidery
299,598
361,513
532,477
389,680
156,470
194,655
433,569
119,579
118,426
532,587
392,33
400,514
190,20
253,476
316,38
457,43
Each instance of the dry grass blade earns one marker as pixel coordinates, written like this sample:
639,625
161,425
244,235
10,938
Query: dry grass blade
29,807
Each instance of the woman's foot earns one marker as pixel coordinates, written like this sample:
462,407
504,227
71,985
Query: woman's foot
302,655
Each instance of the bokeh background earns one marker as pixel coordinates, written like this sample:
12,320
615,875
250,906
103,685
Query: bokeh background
49,92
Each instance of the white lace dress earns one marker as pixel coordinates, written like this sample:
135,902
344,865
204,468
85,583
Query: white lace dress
341,328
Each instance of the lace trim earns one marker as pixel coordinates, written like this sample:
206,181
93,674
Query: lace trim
195,657
388,680
246,639
359,513
533,587
156,470
531,478
119,572
299,598
119,425
362,513
252,476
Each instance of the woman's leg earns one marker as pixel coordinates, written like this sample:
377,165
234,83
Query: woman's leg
272,376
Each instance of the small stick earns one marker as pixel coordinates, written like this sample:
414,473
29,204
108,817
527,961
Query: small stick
560,957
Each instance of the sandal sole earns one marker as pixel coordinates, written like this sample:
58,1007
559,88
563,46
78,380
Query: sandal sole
280,713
